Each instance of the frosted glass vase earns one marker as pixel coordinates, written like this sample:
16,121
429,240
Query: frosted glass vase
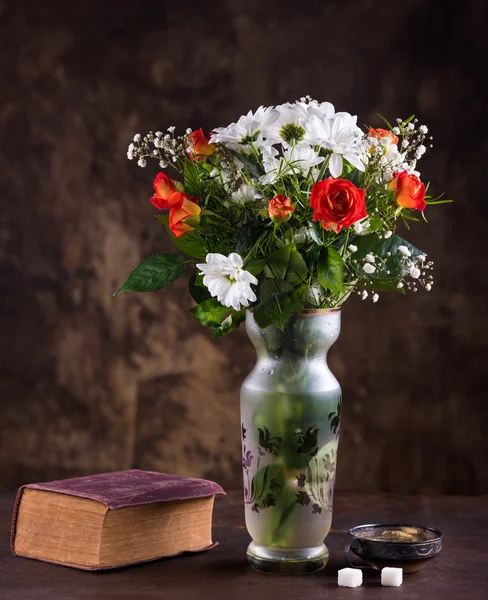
290,412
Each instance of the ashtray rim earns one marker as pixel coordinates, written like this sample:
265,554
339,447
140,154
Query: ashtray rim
354,530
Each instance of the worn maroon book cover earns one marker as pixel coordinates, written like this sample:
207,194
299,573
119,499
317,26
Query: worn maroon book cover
126,488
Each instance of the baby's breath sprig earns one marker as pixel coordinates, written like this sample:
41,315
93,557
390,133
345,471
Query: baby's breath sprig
166,148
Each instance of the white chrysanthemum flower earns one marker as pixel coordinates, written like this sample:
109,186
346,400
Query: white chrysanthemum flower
302,157
246,193
404,250
227,281
369,268
299,158
288,129
248,129
340,135
324,109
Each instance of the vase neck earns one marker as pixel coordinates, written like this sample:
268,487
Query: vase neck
308,335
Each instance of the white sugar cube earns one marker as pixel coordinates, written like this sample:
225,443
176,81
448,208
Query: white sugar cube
350,578
392,576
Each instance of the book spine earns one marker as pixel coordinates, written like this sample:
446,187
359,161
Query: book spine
14,519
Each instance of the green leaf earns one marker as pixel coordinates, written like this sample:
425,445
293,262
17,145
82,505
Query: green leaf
330,270
210,313
248,235
198,290
384,285
288,264
154,273
230,323
385,121
312,228
354,176
256,267
191,243
438,201
278,308
255,170
191,177
269,287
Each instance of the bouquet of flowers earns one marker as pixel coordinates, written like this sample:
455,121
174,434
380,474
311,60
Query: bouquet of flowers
291,207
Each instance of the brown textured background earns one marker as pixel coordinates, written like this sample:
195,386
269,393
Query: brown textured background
89,382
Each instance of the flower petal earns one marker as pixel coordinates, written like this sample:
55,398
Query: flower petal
335,165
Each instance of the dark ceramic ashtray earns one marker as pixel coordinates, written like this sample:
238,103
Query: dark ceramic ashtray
395,545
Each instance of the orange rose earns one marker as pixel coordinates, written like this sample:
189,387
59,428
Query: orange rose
201,145
383,133
183,212
164,188
280,209
337,203
409,190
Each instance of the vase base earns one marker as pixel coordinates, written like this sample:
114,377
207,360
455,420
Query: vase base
303,561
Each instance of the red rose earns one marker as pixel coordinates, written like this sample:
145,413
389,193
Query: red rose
201,145
337,203
409,190
280,209
184,214
383,133
164,188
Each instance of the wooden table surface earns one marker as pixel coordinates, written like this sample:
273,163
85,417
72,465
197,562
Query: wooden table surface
459,572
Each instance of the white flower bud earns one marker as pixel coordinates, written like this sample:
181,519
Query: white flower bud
364,295
404,250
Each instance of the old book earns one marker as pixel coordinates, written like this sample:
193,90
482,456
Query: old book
113,519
